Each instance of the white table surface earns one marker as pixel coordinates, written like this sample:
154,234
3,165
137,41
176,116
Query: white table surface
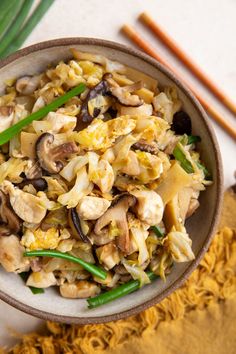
204,28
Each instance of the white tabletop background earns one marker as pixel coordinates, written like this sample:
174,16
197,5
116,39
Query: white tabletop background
206,29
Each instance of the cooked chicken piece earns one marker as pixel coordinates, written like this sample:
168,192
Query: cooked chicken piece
41,279
149,206
11,255
91,208
105,176
108,255
82,289
131,167
6,117
27,206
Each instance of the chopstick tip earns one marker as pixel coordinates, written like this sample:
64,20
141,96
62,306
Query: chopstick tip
144,17
128,30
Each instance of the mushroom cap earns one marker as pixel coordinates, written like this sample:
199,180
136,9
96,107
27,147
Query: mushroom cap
11,222
51,159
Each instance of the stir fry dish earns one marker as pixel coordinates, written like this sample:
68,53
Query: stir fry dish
99,172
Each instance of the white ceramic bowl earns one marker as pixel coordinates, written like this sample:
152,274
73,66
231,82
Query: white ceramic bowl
201,226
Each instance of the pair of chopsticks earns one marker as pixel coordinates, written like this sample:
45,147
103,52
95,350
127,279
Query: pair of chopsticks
136,38
16,25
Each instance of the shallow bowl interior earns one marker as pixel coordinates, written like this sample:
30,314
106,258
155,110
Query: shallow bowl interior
201,226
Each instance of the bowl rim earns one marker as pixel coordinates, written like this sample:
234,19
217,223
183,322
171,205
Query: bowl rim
219,178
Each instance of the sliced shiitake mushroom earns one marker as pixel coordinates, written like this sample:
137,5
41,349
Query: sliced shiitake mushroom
142,145
34,172
181,123
38,183
101,89
118,213
124,93
52,159
10,222
75,225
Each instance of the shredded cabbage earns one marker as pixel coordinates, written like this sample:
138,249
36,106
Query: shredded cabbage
136,272
180,244
81,188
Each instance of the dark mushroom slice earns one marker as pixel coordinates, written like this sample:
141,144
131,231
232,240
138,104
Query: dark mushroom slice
142,145
34,172
11,223
101,89
118,213
124,93
38,183
52,159
120,269
181,123
75,225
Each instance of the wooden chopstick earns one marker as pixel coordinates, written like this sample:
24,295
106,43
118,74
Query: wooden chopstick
145,46
189,63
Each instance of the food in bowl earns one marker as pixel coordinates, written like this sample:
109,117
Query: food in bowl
94,196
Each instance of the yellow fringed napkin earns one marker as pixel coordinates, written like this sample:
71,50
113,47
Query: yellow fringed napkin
198,318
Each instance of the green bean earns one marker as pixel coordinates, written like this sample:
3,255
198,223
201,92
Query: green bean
91,268
184,162
36,291
16,26
207,174
158,231
192,139
10,15
32,22
118,292
7,134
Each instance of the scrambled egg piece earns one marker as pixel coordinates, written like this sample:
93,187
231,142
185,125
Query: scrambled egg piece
100,135
39,239
150,166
